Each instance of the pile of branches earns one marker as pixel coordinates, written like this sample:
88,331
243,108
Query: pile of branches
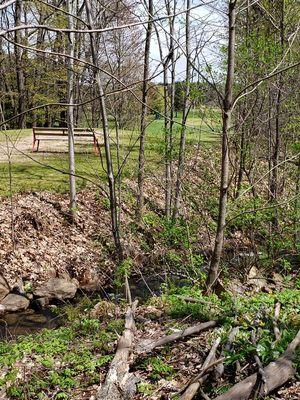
120,383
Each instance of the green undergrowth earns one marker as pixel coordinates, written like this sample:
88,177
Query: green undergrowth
249,311
60,361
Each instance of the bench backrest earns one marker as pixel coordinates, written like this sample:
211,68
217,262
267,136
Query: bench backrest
41,131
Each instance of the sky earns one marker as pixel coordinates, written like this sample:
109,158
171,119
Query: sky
207,24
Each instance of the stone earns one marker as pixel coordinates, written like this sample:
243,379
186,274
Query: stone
36,319
4,289
105,308
278,279
11,319
18,286
256,280
236,287
153,312
57,288
2,310
43,302
15,302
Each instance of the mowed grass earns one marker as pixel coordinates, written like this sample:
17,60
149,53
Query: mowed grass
13,135
49,170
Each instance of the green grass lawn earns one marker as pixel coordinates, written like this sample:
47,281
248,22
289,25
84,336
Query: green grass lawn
15,134
48,171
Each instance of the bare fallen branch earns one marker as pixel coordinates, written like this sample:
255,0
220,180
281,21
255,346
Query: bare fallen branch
277,374
204,395
191,389
147,345
119,383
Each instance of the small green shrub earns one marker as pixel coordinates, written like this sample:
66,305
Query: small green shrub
124,271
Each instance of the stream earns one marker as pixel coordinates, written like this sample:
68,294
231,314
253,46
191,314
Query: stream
34,319
27,322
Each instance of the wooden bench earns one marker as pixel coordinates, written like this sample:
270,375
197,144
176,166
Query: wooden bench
81,134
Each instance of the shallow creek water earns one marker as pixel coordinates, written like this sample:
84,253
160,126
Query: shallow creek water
34,319
27,322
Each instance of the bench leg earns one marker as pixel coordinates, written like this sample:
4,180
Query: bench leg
96,147
33,145
38,145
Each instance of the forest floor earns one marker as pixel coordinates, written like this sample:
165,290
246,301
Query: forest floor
69,362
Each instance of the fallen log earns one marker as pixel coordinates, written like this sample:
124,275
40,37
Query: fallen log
119,383
147,345
277,373
193,388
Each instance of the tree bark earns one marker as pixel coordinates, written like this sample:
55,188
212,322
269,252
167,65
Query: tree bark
70,114
214,267
141,166
108,156
119,383
169,122
194,386
148,345
297,208
19,68
185,112
277,139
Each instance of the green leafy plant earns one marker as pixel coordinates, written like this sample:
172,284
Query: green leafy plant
158,368
123,272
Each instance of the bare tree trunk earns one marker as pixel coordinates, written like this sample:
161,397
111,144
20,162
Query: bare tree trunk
297,208
185,112
241,164
109,163
141,170
167,156
169,125
214,267
277,144
19,67
71,45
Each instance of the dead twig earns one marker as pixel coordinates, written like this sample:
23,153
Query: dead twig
190,390
200,301
261,376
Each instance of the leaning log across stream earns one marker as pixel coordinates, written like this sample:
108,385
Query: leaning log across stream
119,383
277,373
